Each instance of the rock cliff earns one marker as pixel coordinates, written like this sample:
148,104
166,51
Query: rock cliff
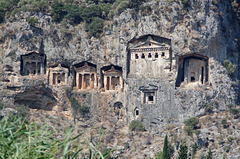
206,30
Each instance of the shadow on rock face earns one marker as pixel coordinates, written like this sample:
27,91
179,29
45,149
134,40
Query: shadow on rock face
37,98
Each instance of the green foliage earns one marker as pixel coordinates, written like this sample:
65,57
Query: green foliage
194,150
84,110
135,3
209,154
191,121
1,106
32,21
160,155
166,149
74,14
136,125
186,3
92,11
183,152
224,121
146,10
96,26
230,67
188,130
21,139
58,10
22,111
77,108
2,14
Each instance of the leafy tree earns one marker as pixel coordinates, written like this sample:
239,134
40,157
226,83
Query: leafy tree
92,11
136,125
166,149
58,11
74,13
135,3
96,26
183,152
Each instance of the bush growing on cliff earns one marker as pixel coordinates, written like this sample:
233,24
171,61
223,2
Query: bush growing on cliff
32,21
230,67
183,152
191,122
136,125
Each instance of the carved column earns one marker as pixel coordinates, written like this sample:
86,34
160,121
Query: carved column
83,82
110,83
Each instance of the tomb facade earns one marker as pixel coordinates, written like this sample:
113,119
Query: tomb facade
33,63
86,76
193,68
149,56
58,74
112,77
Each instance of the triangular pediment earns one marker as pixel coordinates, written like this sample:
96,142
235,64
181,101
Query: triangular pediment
149,41
148,88
112,71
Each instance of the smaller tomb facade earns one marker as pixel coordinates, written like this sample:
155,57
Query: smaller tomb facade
112,77
58,74
86,76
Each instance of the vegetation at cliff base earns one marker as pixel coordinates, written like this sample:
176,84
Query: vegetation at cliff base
136,125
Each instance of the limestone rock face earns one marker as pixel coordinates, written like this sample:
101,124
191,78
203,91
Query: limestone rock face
197,33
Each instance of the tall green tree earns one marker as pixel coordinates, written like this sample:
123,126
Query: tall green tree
166,149
183,152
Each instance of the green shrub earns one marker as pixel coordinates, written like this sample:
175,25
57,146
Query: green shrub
23,111
188,130
2,14
123,5
74,14
136,125
92,11
230,67
146,10
191,122
96,26
186,3
183,152
58,11
1,106
224,121
84,110
32,21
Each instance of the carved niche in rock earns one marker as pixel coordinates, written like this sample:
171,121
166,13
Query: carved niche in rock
193,68
112,77
149,94
33,63
58,74
149,56
86,76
